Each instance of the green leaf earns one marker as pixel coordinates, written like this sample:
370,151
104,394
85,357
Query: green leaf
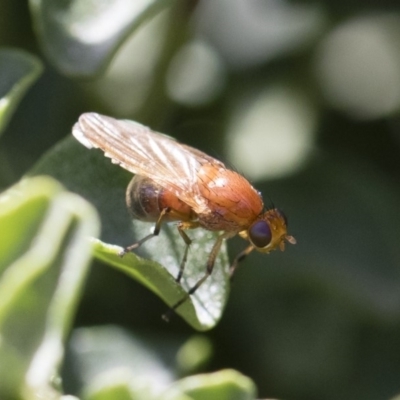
94,177
44,255
108,360
221,385
118,388
80,37
18,71
194,354
111,362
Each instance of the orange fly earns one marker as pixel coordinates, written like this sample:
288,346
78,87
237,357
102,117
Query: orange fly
175,182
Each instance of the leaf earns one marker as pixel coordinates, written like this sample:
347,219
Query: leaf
93,176
80,37
117,388
18,71
194,354
44,255
221,385
108,360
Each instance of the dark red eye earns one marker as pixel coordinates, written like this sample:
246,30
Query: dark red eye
260,234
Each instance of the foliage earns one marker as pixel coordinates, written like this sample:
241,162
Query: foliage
302,98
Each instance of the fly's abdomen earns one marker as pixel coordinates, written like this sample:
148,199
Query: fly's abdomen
146,199
142,198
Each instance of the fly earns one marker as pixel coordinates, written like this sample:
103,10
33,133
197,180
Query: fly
176,182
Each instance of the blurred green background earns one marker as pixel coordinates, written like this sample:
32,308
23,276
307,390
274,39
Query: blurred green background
301,97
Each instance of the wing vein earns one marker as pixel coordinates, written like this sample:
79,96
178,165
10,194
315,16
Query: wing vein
145,152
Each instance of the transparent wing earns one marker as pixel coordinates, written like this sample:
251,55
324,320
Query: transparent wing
142,151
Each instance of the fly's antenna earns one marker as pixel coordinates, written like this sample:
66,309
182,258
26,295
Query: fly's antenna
271,204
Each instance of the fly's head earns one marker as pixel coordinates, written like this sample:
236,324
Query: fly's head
269,231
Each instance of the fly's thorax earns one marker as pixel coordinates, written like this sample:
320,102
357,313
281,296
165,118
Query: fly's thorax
269,231
146,199
231,201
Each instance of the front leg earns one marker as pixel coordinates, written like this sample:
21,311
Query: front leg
240,257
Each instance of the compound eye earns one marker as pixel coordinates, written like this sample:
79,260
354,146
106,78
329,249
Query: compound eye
260,234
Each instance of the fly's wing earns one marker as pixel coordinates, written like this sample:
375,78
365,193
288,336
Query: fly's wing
142,151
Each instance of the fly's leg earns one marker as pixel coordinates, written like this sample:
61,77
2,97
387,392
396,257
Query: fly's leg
156,231
240,257
182,226
209,269
188,242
